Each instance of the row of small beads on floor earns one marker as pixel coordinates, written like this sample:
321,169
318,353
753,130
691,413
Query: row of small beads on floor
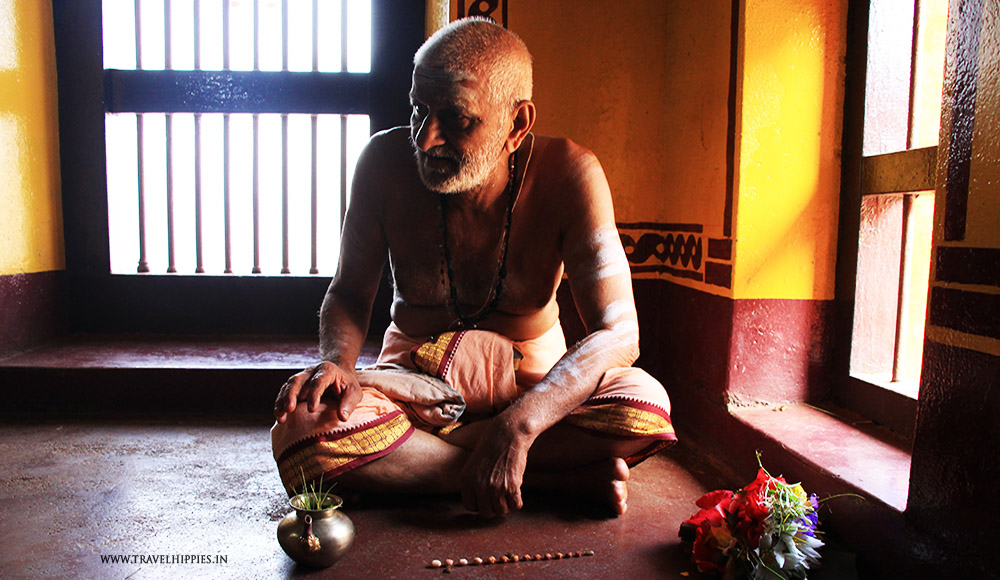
507,559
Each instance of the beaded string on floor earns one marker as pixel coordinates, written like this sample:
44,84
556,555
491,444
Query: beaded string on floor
508,558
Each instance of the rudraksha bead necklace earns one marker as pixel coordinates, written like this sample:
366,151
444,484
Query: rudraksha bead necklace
493,299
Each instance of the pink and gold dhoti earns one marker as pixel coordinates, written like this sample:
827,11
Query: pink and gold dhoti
439,383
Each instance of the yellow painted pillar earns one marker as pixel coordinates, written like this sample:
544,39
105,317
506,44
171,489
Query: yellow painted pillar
788,142
31,237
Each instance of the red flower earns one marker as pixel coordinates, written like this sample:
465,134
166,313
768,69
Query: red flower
712,505
712,533
754,506
756,492
707,552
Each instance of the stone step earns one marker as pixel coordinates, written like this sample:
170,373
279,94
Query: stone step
123,374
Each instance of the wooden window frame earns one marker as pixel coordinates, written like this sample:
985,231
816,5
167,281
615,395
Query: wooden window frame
907,171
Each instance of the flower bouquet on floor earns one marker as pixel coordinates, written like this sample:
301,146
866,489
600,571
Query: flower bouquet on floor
767,530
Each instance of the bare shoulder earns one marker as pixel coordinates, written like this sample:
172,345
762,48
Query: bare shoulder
388,146
565,157
385,165
571,176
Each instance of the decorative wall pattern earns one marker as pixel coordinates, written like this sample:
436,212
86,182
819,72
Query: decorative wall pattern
677,250
664,248
493,9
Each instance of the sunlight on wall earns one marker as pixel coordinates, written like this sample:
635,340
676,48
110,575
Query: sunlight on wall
8,36
789,170
12,206
30,211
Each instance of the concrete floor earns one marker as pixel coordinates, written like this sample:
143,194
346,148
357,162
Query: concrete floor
74,491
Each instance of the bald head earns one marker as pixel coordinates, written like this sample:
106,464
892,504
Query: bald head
479,49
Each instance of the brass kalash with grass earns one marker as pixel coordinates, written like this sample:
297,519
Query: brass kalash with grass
316,533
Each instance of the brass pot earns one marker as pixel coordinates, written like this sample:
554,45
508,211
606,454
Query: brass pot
315,537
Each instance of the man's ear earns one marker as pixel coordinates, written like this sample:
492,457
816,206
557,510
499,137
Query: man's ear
524,119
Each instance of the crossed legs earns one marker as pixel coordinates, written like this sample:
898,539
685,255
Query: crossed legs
588,453
564,458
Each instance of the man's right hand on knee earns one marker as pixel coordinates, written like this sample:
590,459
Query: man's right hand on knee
310,385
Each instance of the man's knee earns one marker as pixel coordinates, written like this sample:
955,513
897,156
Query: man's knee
633,383
631,405
308,446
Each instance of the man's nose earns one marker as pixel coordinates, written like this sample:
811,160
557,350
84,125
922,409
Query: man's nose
428,134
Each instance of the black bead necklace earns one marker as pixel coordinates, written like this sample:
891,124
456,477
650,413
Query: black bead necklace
472,320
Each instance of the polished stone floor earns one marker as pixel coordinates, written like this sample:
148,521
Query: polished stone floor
77,492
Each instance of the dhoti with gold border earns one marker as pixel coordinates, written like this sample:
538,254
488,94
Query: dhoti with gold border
439,383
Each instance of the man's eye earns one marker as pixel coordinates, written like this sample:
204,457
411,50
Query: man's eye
458,122
419,110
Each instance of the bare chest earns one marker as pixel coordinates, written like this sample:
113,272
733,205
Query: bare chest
472,258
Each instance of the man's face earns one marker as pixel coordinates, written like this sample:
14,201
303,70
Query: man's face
457,133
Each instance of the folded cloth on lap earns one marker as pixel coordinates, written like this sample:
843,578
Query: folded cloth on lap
429,398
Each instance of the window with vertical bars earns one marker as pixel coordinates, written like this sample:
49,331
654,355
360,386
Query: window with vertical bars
232,130
902,111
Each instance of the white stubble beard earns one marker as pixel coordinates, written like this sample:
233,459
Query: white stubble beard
473,169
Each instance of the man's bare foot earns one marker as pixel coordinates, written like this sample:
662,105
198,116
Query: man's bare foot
605,482
619,474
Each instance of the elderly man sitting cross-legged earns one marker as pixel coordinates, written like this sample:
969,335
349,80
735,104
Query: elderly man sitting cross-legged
474,390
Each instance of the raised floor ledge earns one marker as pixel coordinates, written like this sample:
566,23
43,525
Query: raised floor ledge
125,374
843,447
169,351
